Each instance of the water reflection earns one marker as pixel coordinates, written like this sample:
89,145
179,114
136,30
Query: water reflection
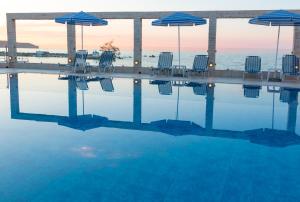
175,127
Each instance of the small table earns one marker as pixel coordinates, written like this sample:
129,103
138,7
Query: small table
275,72
179,70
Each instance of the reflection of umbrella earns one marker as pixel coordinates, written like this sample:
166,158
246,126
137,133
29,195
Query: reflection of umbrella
82,19
177,127
179,19
273,138
84,122
277,18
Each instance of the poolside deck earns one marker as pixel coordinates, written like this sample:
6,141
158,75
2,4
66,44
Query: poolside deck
215,76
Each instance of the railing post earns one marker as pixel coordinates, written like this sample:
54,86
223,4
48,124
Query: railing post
11,41
71,43
137,52
296,48
212,42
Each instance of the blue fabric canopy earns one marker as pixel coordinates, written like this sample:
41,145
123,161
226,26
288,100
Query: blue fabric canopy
277,18
179,19
81,18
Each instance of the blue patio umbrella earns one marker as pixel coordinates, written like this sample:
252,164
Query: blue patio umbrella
81,18
277,18
179,19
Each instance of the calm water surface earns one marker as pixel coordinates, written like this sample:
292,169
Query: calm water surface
146,142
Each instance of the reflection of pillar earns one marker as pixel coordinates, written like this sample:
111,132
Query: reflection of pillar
296,48
137,52
137,101
209,114
212,41
11,40
72,98
71,42
292,111
14,94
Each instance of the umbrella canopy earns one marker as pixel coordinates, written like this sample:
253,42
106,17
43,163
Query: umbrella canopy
179,19
277,18
81,18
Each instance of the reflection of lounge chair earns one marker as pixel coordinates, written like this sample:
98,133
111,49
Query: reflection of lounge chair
290,66
164,87
251,91
80,64
200,64
106,61
198,88
81,83
253,66
106,84
288,95
165,61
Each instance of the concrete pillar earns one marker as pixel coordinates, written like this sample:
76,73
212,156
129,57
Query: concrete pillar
14,94
72,96
137,50
209,113
71,43
137,101
212,42
296,48
11,41
292,111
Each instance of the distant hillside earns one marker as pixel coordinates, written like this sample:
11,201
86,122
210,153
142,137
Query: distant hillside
19,45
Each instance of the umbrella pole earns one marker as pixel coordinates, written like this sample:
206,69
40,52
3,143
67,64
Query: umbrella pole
277,48
179,46
81,37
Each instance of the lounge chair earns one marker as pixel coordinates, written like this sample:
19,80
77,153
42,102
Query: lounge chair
81,83
106,84
290,66
106,61
164,87
80,63
198,88
253,66
200,64
251,91
165,61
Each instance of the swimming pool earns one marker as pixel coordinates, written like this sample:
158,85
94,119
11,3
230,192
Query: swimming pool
141,140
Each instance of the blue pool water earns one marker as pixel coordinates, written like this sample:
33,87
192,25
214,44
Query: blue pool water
214,142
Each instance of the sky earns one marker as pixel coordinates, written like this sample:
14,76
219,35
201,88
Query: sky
232,34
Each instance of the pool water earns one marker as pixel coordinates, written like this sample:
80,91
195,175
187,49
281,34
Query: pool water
141,140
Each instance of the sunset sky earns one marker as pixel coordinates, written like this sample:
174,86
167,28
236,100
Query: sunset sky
232,34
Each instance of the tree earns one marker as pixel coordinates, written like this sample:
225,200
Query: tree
108,46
